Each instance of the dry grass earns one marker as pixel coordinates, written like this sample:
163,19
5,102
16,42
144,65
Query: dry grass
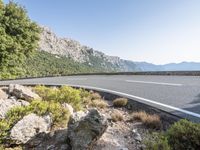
99,103
116,116
120,102
150,121
95,96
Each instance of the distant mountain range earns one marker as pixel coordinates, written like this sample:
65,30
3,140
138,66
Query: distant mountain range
72,49
183,66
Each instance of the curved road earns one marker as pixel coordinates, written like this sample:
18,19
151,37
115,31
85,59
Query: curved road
179,95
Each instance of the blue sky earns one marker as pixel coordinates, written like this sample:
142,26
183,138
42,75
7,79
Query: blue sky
157,31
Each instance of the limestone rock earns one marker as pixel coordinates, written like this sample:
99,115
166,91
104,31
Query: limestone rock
3,94
22,92
77,116
68,107
84,133
28,127
7,104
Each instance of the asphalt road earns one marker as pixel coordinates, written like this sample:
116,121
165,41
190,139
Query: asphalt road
179,95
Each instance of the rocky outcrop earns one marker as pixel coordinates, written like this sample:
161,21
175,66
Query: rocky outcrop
50,43
56,140
3,95
28,127
7,104
22,92
84,133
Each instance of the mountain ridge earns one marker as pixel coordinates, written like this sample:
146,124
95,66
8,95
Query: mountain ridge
53,44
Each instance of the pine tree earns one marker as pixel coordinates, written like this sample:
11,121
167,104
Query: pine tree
19,38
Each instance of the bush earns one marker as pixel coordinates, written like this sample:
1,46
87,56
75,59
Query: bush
150,121
184,135
116,116
99,103
157,141
120,102
62,95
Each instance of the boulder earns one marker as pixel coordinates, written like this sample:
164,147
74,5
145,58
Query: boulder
28,127
68,107
77,116
84,133
55,140
22,92
7,104
3,94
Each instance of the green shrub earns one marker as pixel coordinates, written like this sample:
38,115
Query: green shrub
120,102
4,128
60,115
61,95
184,135
157,141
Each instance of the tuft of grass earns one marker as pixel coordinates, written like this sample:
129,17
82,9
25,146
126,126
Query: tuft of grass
120,102
116,116
150,121
95,95
99,103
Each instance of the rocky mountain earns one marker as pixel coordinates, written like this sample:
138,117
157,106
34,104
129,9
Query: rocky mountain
51,43
183,66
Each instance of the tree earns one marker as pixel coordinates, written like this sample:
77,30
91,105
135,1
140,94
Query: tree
19,38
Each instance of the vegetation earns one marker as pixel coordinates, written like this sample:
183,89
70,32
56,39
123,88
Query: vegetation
150,121
18,40
64,94
99,103
19,56
60,115
182,135
46,64
116,116
157,141
95,95
120,102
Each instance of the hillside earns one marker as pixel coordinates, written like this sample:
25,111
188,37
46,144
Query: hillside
72,49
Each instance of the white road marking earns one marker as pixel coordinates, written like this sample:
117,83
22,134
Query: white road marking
78,79
160,83
137,97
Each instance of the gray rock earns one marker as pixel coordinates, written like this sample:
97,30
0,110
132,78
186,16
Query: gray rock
7,104
77,116
3,94
137,136
22,92
68,107
28,127
84,133
56,140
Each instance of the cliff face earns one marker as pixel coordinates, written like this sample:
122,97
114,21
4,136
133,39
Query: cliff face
50,43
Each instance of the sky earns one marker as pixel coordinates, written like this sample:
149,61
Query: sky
156,31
